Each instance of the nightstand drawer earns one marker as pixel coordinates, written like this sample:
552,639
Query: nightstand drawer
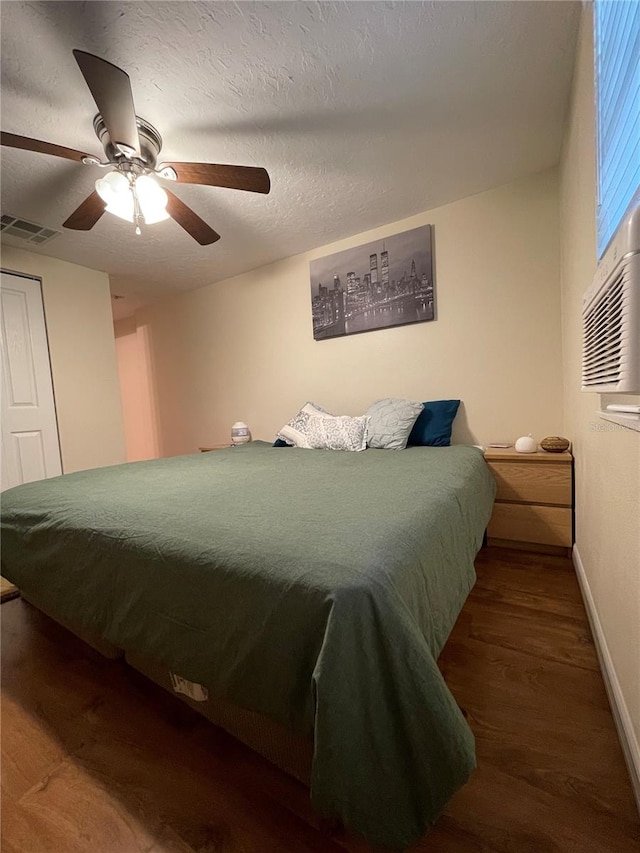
537,483
544,525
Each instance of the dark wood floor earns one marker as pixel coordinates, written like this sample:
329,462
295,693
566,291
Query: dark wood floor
95,759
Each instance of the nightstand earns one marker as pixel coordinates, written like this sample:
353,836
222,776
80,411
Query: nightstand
534,504
214,447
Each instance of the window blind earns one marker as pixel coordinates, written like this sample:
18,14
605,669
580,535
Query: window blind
617,56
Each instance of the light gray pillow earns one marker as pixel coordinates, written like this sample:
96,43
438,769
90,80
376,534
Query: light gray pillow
339,433
390,422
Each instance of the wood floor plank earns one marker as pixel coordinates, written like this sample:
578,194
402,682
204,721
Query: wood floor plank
544,636
96,758
70,809
30,753
539,600
515,817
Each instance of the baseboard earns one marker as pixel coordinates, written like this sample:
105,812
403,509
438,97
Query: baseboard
619,708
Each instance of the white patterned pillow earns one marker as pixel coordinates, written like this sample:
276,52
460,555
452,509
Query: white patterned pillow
294,432
339,433
391,421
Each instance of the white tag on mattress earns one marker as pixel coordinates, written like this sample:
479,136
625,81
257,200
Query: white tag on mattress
189,688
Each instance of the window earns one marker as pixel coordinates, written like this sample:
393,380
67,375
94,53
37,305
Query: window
617,59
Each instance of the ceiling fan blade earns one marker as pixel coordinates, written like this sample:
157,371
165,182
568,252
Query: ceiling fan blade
111,90
250,178
85,217
190,221
11,140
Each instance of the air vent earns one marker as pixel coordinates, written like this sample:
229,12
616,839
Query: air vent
30,232
611,316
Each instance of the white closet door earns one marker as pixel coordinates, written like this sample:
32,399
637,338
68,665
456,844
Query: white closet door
30,446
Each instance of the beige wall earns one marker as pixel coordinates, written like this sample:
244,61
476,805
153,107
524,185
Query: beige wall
243,349
77,306
607,456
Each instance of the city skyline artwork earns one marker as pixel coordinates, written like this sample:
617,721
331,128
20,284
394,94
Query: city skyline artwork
380,284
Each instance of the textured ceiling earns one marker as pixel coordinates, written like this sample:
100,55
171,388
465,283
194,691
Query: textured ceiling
363,113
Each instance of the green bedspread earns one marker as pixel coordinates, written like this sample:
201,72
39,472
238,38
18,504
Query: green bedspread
316,587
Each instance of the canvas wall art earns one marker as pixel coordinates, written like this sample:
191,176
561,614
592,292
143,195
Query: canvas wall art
385,283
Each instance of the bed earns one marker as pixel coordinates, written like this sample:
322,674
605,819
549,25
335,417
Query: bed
311,591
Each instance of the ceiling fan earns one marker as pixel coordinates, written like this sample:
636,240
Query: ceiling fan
131,146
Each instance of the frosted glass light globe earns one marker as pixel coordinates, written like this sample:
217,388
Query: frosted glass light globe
114,190
153,200
113,185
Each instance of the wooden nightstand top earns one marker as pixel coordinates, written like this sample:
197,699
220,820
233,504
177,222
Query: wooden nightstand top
214,447
510,454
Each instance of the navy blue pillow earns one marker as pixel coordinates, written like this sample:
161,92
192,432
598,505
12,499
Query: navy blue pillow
433,426
280,443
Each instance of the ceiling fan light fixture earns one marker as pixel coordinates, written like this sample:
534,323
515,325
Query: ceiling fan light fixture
116,190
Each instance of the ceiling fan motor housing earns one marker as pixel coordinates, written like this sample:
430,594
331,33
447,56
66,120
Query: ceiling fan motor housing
150,142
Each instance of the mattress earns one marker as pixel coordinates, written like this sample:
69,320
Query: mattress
316,588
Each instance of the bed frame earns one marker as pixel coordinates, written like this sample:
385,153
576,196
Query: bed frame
289,752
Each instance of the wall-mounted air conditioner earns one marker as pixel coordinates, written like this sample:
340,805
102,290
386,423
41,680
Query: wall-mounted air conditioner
611,315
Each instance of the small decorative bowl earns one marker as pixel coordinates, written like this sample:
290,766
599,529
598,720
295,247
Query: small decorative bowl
555,444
